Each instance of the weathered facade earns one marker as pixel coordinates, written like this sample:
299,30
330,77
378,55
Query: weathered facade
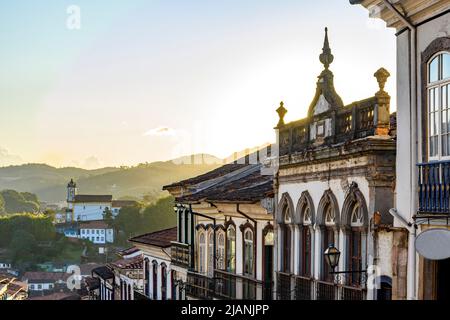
423,100
335,187
224,247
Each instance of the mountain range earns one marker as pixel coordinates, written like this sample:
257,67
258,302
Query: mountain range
144,180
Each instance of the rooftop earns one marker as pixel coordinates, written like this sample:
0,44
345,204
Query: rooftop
103,272
45,277
130,263
95,224
89,198
161,238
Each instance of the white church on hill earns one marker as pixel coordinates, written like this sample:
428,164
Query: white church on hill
88,207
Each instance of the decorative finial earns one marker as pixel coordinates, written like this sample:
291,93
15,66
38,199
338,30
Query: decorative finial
382,74
326,57
281,113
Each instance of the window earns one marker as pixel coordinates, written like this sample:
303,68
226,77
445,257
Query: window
438,90
163,282
202,253
211,253
155,280
221,250
355,244
32,286
102,238
286,241
147,277
98,231
231,249
98,238
248,252
306,252
39,286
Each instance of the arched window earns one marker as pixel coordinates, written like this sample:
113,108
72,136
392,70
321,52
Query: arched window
231,248
155,280
438,92
287,240
248,252
122,294
355,219
221,250
202,252
163,281
355,244
211,253
147,277
328,220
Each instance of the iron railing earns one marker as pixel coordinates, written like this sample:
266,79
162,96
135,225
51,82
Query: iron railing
303,288
434,187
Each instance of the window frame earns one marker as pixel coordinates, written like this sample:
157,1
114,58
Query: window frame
438,86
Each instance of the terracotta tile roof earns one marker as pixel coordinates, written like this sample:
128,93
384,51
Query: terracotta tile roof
123,203
216,173
162,238
45,277
86,268
104,272
130,263
249,188
128,251
87,198
58,296
95,224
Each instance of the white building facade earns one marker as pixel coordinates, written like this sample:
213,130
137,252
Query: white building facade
421,210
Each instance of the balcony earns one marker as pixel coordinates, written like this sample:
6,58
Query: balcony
226,286
434,187
180,254
306,288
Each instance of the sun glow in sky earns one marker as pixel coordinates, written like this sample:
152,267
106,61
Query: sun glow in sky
148,80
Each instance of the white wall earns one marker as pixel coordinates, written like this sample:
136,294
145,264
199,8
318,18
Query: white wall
90,211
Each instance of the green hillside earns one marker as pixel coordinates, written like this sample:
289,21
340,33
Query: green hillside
49,183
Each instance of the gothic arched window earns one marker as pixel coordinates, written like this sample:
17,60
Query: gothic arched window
221,250
163,281
248,252
147,277
202,252
287,240
231,248
210,253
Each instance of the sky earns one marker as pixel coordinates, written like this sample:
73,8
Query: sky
149,80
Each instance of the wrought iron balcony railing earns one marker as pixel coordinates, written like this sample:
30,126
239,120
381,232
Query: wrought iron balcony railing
227,286
434,187
290,287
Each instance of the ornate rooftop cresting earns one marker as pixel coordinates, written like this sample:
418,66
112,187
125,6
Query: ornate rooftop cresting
326,58
281,113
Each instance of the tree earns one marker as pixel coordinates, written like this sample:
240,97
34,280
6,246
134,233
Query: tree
2,205
23,245
16,202
108,216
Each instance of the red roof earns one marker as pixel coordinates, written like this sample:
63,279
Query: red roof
85,198
130,263
162,238
95,224
45,277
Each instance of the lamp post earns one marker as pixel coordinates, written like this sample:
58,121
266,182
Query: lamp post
332,255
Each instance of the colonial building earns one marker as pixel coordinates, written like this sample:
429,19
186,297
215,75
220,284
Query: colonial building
421,264
334,188
157,263
224,243
83,207
43,283
128,274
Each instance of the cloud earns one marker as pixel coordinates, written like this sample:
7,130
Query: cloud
92,163
7,159
161,131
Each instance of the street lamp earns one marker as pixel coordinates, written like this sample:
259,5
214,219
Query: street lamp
332,255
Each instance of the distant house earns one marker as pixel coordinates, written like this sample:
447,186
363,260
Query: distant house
87,207
98,232
57,296
42,283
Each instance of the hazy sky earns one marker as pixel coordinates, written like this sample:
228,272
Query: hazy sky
146,80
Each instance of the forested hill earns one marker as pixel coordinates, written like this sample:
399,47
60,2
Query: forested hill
49,183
